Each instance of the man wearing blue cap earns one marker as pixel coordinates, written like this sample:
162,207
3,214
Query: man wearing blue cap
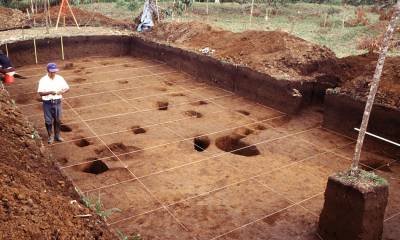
51,87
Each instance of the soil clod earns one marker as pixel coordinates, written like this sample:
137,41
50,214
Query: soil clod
82,143
96,167
65,128
162,105
138,130
192,113
201,143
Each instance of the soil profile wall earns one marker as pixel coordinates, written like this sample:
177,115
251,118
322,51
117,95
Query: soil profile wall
244,81
49,49
344,113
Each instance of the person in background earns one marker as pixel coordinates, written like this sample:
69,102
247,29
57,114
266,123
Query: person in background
51,87
5,64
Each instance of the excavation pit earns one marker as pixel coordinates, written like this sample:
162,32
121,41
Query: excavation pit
224,176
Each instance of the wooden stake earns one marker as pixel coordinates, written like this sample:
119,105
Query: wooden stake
34,46
59,13
48,11
62,48
6,49
207,7
251,10
73,15
158,14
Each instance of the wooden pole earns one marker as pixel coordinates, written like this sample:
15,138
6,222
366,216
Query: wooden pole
6,49
251,10
158,14
62,48
374,87
59,13
34,46
45,13
48,11
73,15
207,7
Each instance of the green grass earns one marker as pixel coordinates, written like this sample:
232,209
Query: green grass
301,19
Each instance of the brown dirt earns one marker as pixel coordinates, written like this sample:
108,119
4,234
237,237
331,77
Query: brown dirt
34,196
84,18
12,19
278,54
358,72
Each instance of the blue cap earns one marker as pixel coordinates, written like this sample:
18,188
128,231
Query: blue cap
52,67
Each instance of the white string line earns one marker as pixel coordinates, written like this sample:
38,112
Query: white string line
134,112
81,68
393,216
226,186
133,175
91,82
122,99
218,154
256,220
89,94
343,156
100,104
149,148
83,61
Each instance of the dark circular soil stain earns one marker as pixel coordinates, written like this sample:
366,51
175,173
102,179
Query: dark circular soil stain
244,112
192,113
260,127
138,130
162,105
78,80
68,66
65,128
234,145
123,81
198,103
82,143
201,143
96,167
178,94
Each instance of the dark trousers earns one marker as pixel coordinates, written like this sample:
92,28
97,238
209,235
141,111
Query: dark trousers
52,116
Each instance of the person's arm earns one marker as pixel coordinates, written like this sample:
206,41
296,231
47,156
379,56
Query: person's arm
65,87
47,93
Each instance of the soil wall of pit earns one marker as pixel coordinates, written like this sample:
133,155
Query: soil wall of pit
50,49
343,114
242,80
239,79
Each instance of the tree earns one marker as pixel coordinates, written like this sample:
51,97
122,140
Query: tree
374,87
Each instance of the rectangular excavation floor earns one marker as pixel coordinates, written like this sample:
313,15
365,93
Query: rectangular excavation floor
180,159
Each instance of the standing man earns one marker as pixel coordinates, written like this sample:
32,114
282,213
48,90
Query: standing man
51,87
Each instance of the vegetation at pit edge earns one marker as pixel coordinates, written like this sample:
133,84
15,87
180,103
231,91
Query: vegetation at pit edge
362,177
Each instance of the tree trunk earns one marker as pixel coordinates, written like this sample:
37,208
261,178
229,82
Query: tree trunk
374,87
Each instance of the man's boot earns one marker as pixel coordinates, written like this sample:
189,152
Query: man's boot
57,130
49,129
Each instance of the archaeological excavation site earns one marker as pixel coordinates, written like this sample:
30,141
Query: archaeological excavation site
245,140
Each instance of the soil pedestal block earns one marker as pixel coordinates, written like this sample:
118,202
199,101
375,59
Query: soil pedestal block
354,207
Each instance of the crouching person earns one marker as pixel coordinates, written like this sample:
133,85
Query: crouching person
51,87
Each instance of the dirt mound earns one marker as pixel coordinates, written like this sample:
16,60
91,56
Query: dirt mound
358,72
278,54
34,196
12,18
84,18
